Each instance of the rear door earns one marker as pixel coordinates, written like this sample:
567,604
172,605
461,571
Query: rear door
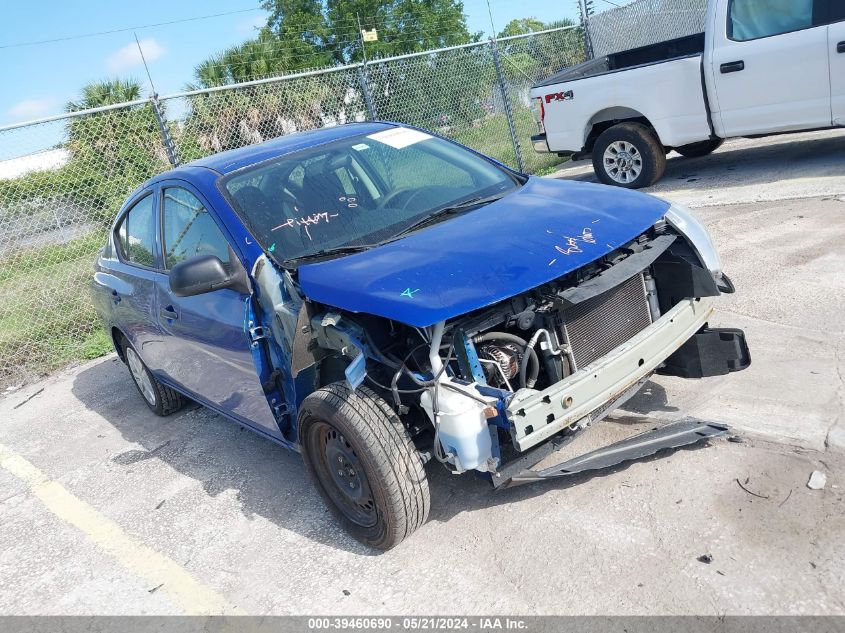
836,51
770,66
134,275
207,342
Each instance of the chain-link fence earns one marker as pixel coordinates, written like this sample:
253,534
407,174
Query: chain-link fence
77,171
644,22
62,180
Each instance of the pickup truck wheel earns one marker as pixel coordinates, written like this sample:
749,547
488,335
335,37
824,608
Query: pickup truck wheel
160,399
628,155
361,459
694,150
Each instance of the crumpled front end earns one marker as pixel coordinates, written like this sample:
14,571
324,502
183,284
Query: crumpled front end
485,390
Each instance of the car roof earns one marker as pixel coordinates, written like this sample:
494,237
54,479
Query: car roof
234,159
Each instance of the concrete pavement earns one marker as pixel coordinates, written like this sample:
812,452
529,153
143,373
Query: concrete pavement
774,168
232,525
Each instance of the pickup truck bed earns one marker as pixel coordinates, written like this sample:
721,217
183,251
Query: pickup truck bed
651,54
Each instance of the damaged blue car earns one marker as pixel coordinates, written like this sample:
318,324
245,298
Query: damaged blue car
378,298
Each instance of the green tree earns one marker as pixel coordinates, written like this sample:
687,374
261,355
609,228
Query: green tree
403,26
111,152
104,93
522,26
306,34
532,58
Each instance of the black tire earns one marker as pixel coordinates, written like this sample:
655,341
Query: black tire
381,496
643,158
695,150
160,399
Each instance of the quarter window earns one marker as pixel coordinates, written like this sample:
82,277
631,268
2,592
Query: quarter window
754,19
189,230
136,234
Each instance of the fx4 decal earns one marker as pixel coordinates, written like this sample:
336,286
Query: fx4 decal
560,96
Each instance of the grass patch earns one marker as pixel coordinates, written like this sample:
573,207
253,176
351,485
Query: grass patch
47,319
491,136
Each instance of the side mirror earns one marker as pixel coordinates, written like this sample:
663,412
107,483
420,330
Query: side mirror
206,273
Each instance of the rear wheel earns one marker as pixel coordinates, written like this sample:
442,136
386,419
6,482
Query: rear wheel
629,155
363,463
160,399
694,150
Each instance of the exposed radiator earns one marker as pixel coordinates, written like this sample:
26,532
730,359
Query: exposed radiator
596,326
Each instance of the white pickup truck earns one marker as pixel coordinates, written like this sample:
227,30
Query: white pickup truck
761,67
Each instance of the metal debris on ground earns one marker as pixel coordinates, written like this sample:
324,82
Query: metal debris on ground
751,492
817,480
28,398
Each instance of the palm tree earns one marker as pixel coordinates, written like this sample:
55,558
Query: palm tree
106,92
112,152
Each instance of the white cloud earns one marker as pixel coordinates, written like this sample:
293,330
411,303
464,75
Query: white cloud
129,56
31,109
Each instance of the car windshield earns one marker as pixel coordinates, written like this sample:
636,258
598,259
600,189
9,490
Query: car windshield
359,191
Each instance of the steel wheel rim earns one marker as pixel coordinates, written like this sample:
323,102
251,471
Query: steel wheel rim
342,475
140,376
623,162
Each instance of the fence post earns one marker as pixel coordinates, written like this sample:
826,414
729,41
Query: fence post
584,10
365,88
507,103
166,138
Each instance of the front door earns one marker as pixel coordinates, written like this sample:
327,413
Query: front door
207,343
770,66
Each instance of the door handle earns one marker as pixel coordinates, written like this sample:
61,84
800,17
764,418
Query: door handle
115,297
169,313
840,48
732,67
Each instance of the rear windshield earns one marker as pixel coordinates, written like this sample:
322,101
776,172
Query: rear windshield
358,191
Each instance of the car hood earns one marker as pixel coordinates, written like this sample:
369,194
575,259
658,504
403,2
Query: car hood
545,229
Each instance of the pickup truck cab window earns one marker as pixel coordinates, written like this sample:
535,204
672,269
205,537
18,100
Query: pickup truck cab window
136,234
189,230
755,19
835,11
358,191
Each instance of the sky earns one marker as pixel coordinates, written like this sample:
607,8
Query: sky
37,80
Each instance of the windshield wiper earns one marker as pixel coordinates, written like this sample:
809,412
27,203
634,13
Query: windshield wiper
444,211
324,252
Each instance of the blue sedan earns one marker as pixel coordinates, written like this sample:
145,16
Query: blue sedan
376,298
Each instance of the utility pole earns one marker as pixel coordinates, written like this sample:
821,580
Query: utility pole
166,138
363,77
361,37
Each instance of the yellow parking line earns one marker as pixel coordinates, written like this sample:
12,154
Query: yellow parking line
155,568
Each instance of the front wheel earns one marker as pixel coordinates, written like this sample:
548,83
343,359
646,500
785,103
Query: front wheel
629,155
703,148
363,463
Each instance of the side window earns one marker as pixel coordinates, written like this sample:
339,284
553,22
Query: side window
189,230
754,19
136,233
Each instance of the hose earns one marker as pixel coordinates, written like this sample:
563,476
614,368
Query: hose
523,366
526,379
